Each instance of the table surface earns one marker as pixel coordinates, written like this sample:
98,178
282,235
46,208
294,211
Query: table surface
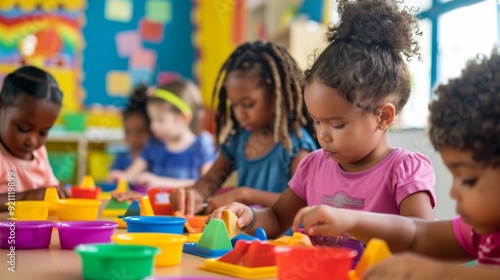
56,263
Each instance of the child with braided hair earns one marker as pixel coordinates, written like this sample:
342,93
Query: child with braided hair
261,114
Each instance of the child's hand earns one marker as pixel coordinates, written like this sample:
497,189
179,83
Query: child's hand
129,195
226,198
407,266
323,220
187,201
63,193
116,175
148,179
243,212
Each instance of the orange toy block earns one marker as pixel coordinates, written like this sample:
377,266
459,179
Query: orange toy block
188,227
375,252
146,209
230,220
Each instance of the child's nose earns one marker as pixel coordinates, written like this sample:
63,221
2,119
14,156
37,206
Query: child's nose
324,135
454,193
31,141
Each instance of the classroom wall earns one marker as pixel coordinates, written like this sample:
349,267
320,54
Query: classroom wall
417,140
174,50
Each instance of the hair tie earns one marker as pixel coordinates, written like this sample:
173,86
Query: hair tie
173,99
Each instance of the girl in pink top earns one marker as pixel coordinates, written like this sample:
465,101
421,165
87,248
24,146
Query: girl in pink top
353,93
30,101
464,128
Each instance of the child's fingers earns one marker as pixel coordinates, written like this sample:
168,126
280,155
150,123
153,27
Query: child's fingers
190,203
178,200
299,218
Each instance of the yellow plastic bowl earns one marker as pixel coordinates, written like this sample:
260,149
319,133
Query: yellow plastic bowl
170,245
29,210
76,209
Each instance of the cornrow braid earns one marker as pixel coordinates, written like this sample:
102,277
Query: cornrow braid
280,73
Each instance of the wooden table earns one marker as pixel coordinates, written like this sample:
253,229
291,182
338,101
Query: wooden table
56,263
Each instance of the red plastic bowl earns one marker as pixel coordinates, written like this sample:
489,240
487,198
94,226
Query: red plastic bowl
314,263
25,234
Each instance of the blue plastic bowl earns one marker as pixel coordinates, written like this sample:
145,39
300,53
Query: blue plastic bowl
107,186
163,224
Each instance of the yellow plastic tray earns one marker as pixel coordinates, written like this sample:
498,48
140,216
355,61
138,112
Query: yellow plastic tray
113,212
239,271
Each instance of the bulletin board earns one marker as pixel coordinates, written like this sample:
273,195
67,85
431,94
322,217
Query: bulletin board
46,34
134,41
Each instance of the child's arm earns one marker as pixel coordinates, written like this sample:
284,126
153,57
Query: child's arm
151,180
189,201
412,266
137,166
432,238
274,220
417,205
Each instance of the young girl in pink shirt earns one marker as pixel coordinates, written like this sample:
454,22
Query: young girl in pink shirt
30,101
353,92
464,128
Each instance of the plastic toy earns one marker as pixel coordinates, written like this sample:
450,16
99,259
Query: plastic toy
328,262
72,234
214,242
161,224
248,259
194,224
76,209
146,209
297,239
29,234
51,198
170,245
230,220
159,199
112,261
114,208
243,237
260,233
375,252
30,210
193,237
132,210
86,189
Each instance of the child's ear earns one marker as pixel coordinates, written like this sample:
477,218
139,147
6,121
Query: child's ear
386,116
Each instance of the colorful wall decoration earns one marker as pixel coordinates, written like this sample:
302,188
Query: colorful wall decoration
47,34
134,41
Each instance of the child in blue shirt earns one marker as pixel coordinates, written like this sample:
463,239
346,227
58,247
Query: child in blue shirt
136,124
262,116
175,156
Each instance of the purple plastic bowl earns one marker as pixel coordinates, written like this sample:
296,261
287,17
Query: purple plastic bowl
181,277
25,234
139,188
72,234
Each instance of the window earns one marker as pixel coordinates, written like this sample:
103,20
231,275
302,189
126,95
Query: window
464,33
465,28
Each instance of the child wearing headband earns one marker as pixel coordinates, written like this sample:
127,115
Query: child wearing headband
175,155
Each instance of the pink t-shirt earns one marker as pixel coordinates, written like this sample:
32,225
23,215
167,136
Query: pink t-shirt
29,174
381,188
484,247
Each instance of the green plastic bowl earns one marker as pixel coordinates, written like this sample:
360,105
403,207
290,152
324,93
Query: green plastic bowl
113,261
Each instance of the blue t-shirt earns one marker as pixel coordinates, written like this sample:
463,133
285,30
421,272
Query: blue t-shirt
271,172
186,164
122,161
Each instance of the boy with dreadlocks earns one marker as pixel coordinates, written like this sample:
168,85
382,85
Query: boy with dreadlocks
261,104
